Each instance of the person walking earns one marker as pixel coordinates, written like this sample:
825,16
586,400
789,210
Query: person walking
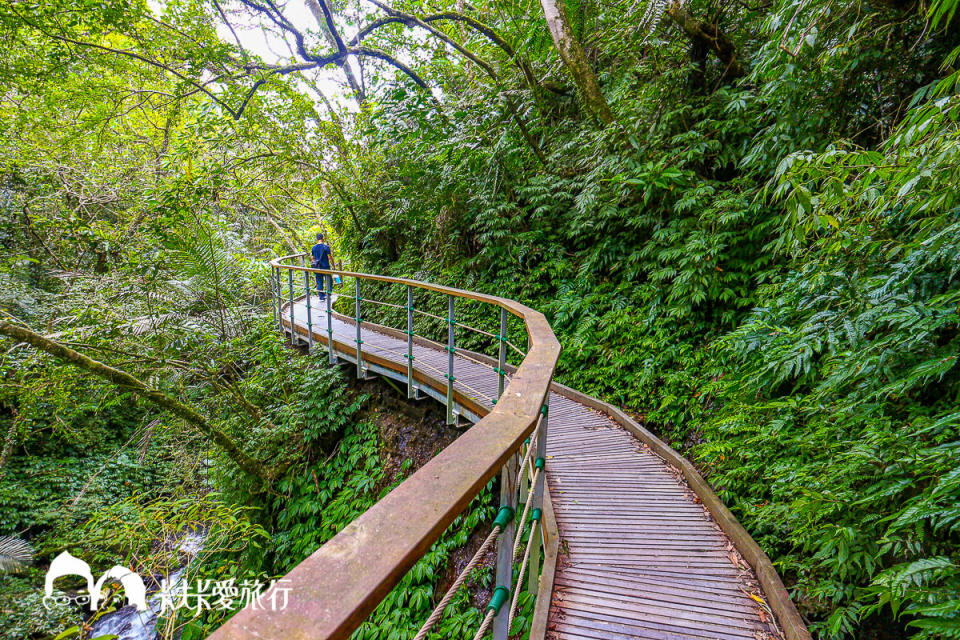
322,255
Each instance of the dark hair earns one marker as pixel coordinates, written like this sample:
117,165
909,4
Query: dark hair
319,236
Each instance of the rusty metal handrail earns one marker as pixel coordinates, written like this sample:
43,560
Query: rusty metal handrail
334,590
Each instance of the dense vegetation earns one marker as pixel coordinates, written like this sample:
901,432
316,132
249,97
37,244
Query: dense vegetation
741,219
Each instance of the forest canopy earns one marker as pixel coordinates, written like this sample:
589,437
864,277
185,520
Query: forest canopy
741,219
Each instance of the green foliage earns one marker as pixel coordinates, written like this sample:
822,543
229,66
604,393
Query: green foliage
763,267
841,389
23,614
766,270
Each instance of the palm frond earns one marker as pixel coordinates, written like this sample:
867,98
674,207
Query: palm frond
15,554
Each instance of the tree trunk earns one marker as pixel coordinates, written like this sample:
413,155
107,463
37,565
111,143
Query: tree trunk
127,382
344,65
708,36
576,60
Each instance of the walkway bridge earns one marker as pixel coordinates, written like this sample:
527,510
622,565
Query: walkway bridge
621,538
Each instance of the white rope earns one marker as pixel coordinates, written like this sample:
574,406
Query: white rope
385,304
516,348
487,619
480,394
523,518
430,315
523,570
463,355
531,446
448,596
476,330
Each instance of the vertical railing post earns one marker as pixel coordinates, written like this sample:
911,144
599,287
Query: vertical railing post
274,305
525,474
536,531
359,320
329,299
411,393
279,290
306,288
293,333
502,366
508,498
451,336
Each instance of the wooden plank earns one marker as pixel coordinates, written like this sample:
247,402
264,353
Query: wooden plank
688,619
694,593
577,624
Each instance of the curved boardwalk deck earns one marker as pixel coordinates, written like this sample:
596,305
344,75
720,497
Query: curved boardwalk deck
640,557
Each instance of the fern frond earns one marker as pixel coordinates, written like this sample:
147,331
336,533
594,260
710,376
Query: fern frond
15,554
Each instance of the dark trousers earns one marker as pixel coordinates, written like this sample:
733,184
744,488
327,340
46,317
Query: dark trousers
320,279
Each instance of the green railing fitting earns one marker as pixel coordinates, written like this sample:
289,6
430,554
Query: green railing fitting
504,517
539,464
498,599
535,515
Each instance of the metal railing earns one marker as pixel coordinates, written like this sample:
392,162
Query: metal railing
334,590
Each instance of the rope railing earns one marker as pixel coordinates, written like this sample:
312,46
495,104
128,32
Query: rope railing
485,625
476,330
403,535
523,569
526,511
429,315
503,518
452,591
385,304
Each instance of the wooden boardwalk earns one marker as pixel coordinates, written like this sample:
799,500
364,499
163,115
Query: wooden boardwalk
640,557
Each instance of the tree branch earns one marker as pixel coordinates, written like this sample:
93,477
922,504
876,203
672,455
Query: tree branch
125,381
711,38
476,25
575,60
131,54
320,15
412,21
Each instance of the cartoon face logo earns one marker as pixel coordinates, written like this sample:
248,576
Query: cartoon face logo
68,565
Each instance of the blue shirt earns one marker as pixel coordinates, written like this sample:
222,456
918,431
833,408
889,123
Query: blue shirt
321,256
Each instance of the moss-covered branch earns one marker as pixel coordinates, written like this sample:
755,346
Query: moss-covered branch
575,60
127,382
